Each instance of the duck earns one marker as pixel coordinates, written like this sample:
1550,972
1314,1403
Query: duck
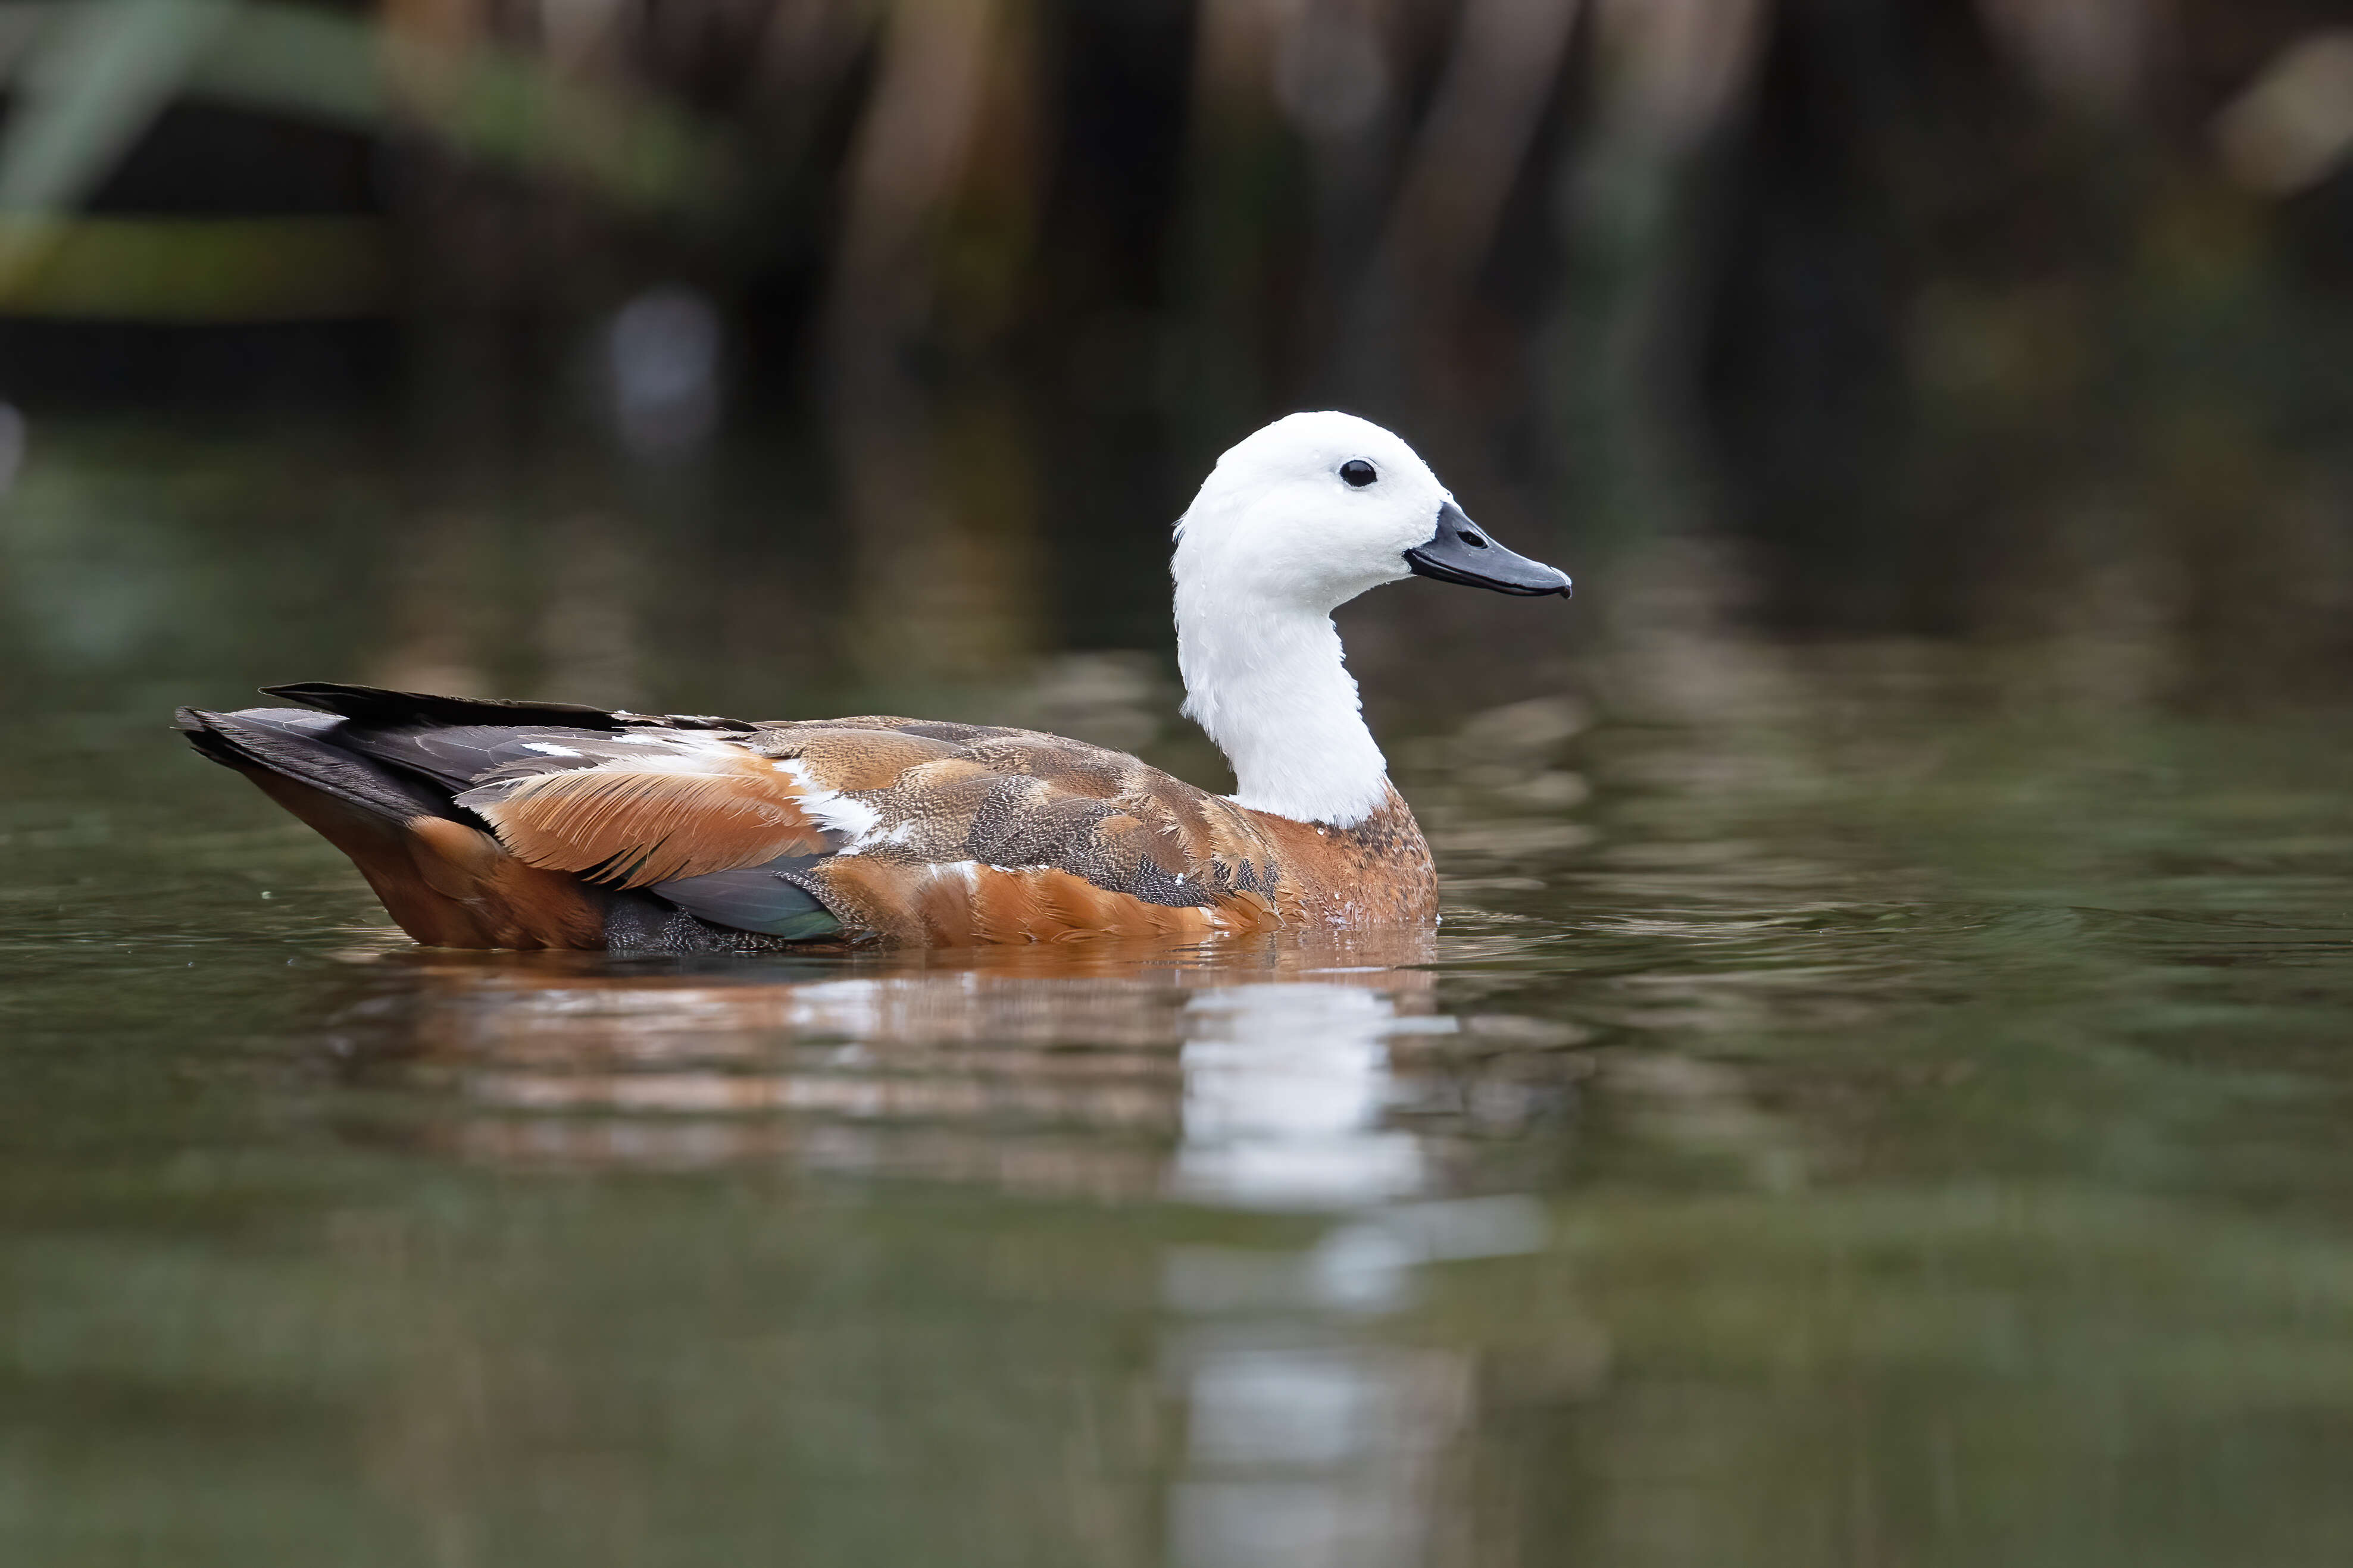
502,824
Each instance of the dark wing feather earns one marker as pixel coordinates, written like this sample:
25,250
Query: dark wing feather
459,756
377,705
755,898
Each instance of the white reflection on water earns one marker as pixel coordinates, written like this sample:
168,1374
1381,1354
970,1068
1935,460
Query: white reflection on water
1284,1084
1316,1453
1313,1455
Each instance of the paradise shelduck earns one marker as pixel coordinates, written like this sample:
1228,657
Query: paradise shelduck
546,825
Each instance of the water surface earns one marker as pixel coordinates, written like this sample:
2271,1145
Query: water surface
1866,1104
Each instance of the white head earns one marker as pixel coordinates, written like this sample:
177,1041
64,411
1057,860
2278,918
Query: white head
1293,522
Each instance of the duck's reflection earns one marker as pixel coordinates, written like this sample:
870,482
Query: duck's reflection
1255,1074
1267,1077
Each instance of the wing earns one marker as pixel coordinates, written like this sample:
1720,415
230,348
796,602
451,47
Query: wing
920,831
658,806
1014,835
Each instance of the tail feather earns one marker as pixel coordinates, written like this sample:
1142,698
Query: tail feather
295,743
445,881
375,773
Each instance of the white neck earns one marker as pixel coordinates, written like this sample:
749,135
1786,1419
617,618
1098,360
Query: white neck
1265,679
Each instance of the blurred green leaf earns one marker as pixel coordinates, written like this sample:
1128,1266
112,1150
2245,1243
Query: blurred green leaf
93,79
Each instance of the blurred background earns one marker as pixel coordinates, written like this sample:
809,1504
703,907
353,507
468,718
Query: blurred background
742,346
1877,1096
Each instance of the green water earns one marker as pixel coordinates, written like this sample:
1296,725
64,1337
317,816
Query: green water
1867,1104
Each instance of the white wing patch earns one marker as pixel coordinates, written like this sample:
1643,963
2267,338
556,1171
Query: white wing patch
860,825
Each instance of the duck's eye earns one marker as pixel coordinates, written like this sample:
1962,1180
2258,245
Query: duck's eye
1469,536
1358,472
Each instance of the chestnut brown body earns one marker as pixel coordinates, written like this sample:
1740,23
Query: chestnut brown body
543,826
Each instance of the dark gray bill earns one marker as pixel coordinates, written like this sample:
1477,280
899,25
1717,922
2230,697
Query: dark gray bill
1461,552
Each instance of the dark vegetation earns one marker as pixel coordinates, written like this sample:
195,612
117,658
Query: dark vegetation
2023,318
